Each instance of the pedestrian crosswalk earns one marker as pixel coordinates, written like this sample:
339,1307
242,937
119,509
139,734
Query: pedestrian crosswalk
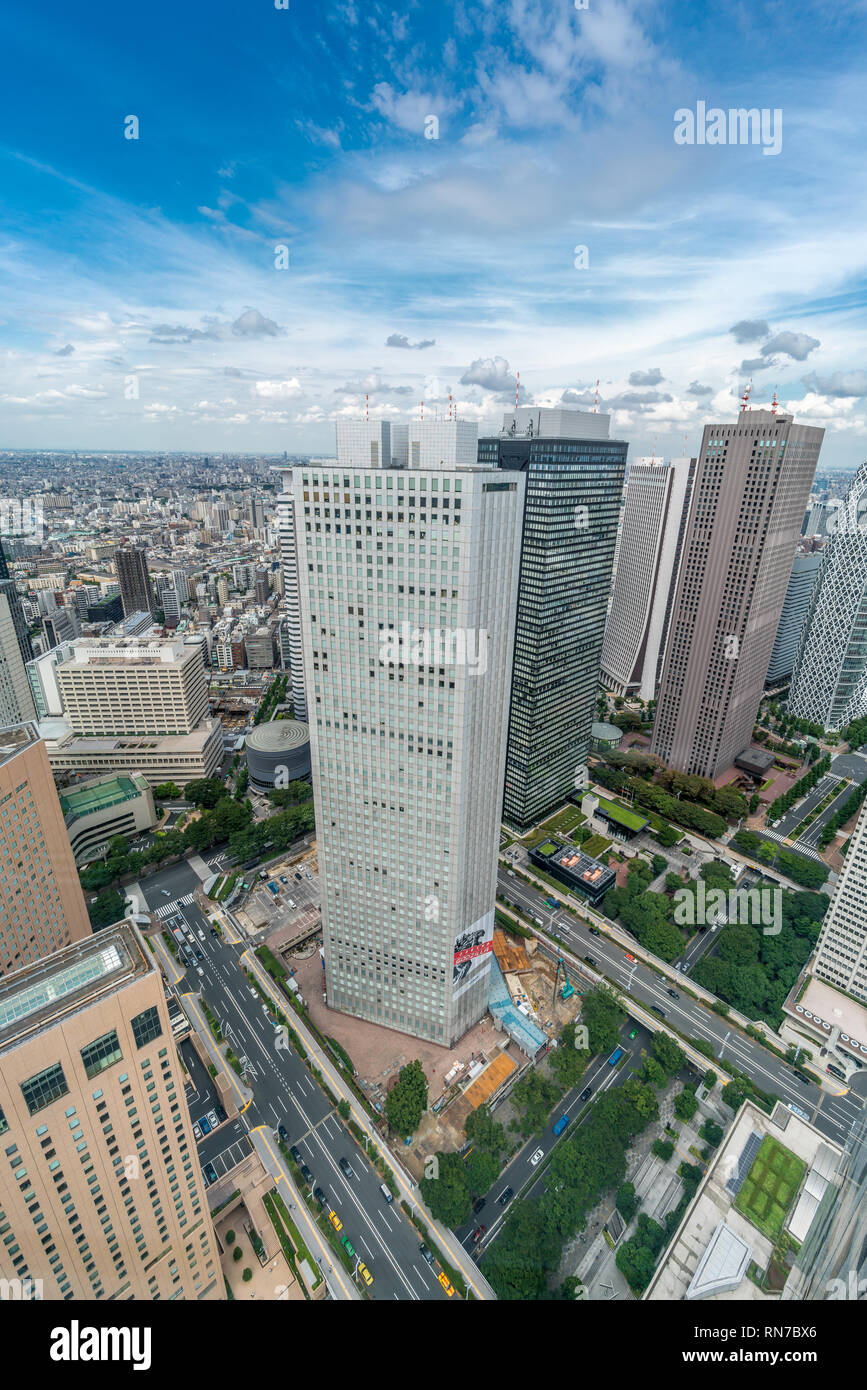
168,908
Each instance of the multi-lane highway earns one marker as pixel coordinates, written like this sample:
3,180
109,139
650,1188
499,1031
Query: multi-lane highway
834,1115
285,1093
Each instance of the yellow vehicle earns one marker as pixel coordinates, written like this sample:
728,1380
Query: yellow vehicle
335,1221
449,1288
365,1274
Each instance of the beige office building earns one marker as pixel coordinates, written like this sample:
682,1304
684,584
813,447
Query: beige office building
129,686
751,489
41,903
101,1194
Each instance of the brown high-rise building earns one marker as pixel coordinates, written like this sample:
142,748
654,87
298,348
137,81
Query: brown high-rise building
136,590
751,490
41,903
101,1194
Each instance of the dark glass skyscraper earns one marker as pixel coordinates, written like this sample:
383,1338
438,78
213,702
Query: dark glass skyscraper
7,587
574,485
136,590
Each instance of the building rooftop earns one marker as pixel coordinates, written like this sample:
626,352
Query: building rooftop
279,735
622,815
590,873
100,793
57,734
15,738
42,993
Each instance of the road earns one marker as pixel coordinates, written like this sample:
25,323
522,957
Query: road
286,1093
833,1115
846,765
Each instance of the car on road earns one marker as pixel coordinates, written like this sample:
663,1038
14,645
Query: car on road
346,1168
634,1033
320,1196
200,955
478,1233
591,960
213,931
307,1175
535,1157
387,1194
478,1204
200,971
348,1246
200,934
298,876
210,1172
425,1253
212,1119
586,1093
446,1283
673,993
629,957
206,1128
506,1196
594,931
365,1273
655,1009
197,1132
335,1221
296,1154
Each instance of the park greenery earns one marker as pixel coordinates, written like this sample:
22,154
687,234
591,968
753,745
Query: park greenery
407,1101
809,873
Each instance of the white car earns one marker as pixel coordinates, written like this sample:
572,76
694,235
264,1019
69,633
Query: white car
201,935
212,1119
535,1158
200,971
197,1132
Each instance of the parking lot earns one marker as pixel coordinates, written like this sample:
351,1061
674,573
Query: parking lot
293,899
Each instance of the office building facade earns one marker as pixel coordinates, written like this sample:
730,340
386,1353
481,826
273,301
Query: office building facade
16,697
136,591
829,679
293,646
796,605
651,542
408,589
101,1192
574,480
10,590
751,487
41,903
125,686
841,953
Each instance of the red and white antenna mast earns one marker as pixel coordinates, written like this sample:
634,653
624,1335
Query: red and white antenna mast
596,401
745,398
421,416
450,405
517,387
366,406
774,402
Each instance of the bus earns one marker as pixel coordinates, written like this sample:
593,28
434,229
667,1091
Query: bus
615,1057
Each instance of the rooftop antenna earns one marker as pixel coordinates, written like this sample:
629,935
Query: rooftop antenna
450,405
517,387
745,398
366,407
653,455
421,416
774,402
596,401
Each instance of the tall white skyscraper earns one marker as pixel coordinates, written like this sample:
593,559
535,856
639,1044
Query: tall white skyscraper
16,697
841,954
657,504
408,589
289,567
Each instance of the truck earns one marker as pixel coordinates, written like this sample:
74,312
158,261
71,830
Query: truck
561,1124
615,1057
179,936
274,888
551,902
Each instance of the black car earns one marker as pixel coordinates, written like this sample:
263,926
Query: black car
320,1196
591,960
296,1154
673,993
210,1172
586,1093
307,1175
425,1253
655,1009
283,1134
298,876
478,1204
200,955
213,931
594,931
346,1168
506,1196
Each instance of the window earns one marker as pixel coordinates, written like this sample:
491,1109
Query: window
44,1088
146,1026
101,1053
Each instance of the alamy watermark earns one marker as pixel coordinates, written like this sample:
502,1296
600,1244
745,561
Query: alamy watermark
21,516
751,907
435,646
737,126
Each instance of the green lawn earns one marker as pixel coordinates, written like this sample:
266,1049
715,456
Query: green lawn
771,1187
596,845
564,821
548,848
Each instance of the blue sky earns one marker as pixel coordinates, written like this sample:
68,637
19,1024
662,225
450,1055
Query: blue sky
420,267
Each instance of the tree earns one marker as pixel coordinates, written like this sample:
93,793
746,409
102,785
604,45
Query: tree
663,1148
602,1016
484,1132
205,791
685,1104
712,1133
654,1073
106,909
237,1253
626,1201
447,1195
519,1261
167,791
668,1054
344,1109
483,1169
667,837
247,1275
568,1062
659,864
407,1101
534,1095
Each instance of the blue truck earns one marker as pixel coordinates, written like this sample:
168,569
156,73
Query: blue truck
561,1124
615,1057
275,888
